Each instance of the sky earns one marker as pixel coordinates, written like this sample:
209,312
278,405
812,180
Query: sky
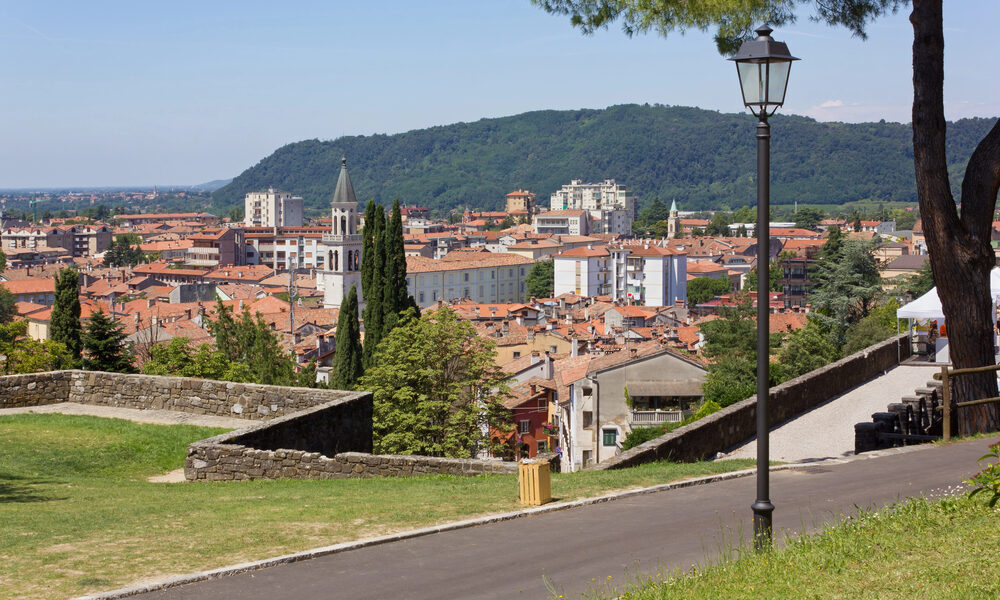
183,92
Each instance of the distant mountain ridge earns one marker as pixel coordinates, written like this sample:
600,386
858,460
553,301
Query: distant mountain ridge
703,159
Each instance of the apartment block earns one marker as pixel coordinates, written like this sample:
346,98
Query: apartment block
610,204
479,276
272,209
640,273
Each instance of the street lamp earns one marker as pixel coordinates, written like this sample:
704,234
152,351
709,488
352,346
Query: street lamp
763,66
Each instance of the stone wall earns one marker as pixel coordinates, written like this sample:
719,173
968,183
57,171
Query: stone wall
737,423
196,396
34,389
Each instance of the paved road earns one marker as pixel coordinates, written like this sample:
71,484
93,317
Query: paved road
827,431
672,529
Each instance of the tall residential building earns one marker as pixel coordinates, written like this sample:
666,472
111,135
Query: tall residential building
342,246
521,201
639,272
272,209
611,205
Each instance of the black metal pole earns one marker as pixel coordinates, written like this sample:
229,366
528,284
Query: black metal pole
763,508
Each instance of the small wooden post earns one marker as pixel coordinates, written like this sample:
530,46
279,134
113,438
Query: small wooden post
946,407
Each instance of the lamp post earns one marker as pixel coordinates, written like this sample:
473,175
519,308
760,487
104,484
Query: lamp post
763,66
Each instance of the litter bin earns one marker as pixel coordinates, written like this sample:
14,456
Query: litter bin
534,482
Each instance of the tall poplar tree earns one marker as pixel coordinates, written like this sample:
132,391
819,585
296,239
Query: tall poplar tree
374,309
65,321
347,361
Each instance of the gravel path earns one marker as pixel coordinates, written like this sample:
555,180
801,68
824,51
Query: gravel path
160,417
828,431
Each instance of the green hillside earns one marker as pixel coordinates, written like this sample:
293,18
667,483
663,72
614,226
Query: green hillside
703,159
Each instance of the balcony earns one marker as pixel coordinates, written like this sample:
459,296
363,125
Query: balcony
333,238
644,418
203,252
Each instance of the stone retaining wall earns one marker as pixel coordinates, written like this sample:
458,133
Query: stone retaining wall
737,423
34,389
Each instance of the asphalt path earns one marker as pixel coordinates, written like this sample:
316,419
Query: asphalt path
601,543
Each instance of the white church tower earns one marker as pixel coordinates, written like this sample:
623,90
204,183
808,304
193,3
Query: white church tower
342,245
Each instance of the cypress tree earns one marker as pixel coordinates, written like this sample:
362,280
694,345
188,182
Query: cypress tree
104,342
368,248
374,314
65,321
394,298
347,361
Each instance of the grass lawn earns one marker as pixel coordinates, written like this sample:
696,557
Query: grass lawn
77,514
918,549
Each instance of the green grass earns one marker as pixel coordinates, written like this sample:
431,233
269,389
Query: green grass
77,514
918,549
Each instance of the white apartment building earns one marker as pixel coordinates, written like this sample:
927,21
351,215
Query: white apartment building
642,273
285,248
562,222
272,209
611,205
584,271
479,276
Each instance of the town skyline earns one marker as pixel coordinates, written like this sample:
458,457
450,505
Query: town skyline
139,96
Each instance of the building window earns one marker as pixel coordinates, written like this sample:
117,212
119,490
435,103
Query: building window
543,446
524,426
465,276
610,437
517,354
587,457
421,297
588,419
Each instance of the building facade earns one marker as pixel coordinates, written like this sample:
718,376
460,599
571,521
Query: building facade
611,205
272,209
479,276
562,222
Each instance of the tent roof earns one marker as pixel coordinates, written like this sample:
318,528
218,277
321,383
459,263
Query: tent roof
928,306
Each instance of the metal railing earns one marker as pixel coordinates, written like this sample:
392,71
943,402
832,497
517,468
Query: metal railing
944,376
654,417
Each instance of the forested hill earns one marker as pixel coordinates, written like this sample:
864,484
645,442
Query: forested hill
703,159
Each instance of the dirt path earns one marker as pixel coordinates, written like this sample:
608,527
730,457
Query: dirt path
159,417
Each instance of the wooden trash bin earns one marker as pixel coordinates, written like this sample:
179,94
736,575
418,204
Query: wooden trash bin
534,483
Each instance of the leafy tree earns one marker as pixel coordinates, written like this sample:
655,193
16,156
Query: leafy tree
653,212
848,286
905,219
437,389
21,354
773,278
8,305
879,325
730,343
920,282
807,349
3,260
540,281
374,313
104,346
808,217
958,244
833,244
347,360
124,251
719,225
65,321
253,350
703,289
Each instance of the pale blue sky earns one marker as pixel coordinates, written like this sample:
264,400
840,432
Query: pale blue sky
182,92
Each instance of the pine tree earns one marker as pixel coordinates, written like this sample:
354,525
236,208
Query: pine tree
347,361
394,297
104,346
65,320
374,308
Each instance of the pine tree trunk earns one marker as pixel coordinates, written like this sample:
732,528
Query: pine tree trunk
960,253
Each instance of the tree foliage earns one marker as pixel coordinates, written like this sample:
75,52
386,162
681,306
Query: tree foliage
347,366
64,324
374,313
124,251
807,349
541,280
848,286
703,289
104,345
250,348
437,390
8,305
21,354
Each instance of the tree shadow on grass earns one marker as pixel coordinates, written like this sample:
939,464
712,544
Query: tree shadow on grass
23,489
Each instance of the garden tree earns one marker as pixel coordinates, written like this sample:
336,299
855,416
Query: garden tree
905,219
834,242
21,354
920,282
731,346
774,275
124,251
703,289
248,343
540,281
958,243
437,389
64,324
808,217
8,305
347,360
3,260
807,349
374,313
104,345
848,286
178,358
394,297
880,324
653,212
719,224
